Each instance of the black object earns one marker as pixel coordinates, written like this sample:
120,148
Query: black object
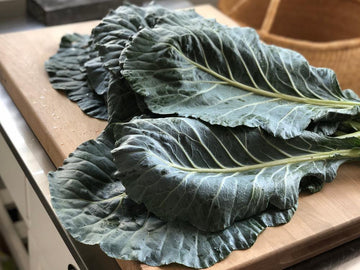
52,12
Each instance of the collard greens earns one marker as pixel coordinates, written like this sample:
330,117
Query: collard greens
84,66
212,176
212,135
92,205
67,73
227,76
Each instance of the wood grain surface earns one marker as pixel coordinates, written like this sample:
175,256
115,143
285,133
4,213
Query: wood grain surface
322,221
57,122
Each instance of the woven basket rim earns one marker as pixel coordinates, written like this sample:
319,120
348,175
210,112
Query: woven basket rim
344,44
336,45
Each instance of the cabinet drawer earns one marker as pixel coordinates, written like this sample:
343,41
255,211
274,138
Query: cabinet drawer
54,252
13,178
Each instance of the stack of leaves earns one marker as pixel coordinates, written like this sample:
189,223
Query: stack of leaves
178,175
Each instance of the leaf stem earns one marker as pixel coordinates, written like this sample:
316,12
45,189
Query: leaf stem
354,134
353,124
336,154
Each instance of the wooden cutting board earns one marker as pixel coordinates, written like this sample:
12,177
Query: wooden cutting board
322,221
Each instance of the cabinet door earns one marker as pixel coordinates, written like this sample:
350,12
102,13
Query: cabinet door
13,178
47,244
35,260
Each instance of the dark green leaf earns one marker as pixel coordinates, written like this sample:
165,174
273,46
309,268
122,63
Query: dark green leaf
98,77
83,65
122,101
227,76
67,73
120,25
212,176
91,204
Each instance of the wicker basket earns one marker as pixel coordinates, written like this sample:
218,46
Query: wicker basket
326,32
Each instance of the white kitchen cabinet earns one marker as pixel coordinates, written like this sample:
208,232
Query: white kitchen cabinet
45,247
12,237
49,245
13,178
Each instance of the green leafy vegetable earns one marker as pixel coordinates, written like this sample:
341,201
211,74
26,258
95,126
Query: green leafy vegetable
212,176
123,103
67,73
97,76
93,206
161,189
85,66
117,28
227,76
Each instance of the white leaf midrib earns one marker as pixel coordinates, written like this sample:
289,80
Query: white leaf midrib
330,155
